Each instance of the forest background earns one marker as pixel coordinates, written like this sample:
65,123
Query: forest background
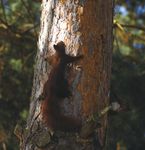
19,29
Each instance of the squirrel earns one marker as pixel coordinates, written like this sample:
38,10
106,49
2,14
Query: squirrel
55,89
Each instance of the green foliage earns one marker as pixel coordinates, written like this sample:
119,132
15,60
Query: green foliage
16,64
127,128
18,35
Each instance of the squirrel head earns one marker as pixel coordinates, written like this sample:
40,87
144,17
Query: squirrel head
60,47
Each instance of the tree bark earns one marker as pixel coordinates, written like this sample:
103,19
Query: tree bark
85,26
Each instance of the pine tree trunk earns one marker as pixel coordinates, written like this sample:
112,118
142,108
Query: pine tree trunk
85,26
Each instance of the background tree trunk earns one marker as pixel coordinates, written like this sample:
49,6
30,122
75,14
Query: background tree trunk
86,28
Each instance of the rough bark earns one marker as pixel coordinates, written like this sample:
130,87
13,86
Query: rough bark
85,26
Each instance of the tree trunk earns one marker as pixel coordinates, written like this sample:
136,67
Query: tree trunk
85,26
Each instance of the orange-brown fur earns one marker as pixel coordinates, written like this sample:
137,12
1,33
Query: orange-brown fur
57,88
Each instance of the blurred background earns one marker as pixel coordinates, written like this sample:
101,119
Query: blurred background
19,28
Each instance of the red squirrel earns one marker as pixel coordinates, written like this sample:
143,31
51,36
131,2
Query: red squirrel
55,89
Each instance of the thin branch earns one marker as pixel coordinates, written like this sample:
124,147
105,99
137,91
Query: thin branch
28,30
139,37
133,26
20,32
5,23
30,15
8,27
